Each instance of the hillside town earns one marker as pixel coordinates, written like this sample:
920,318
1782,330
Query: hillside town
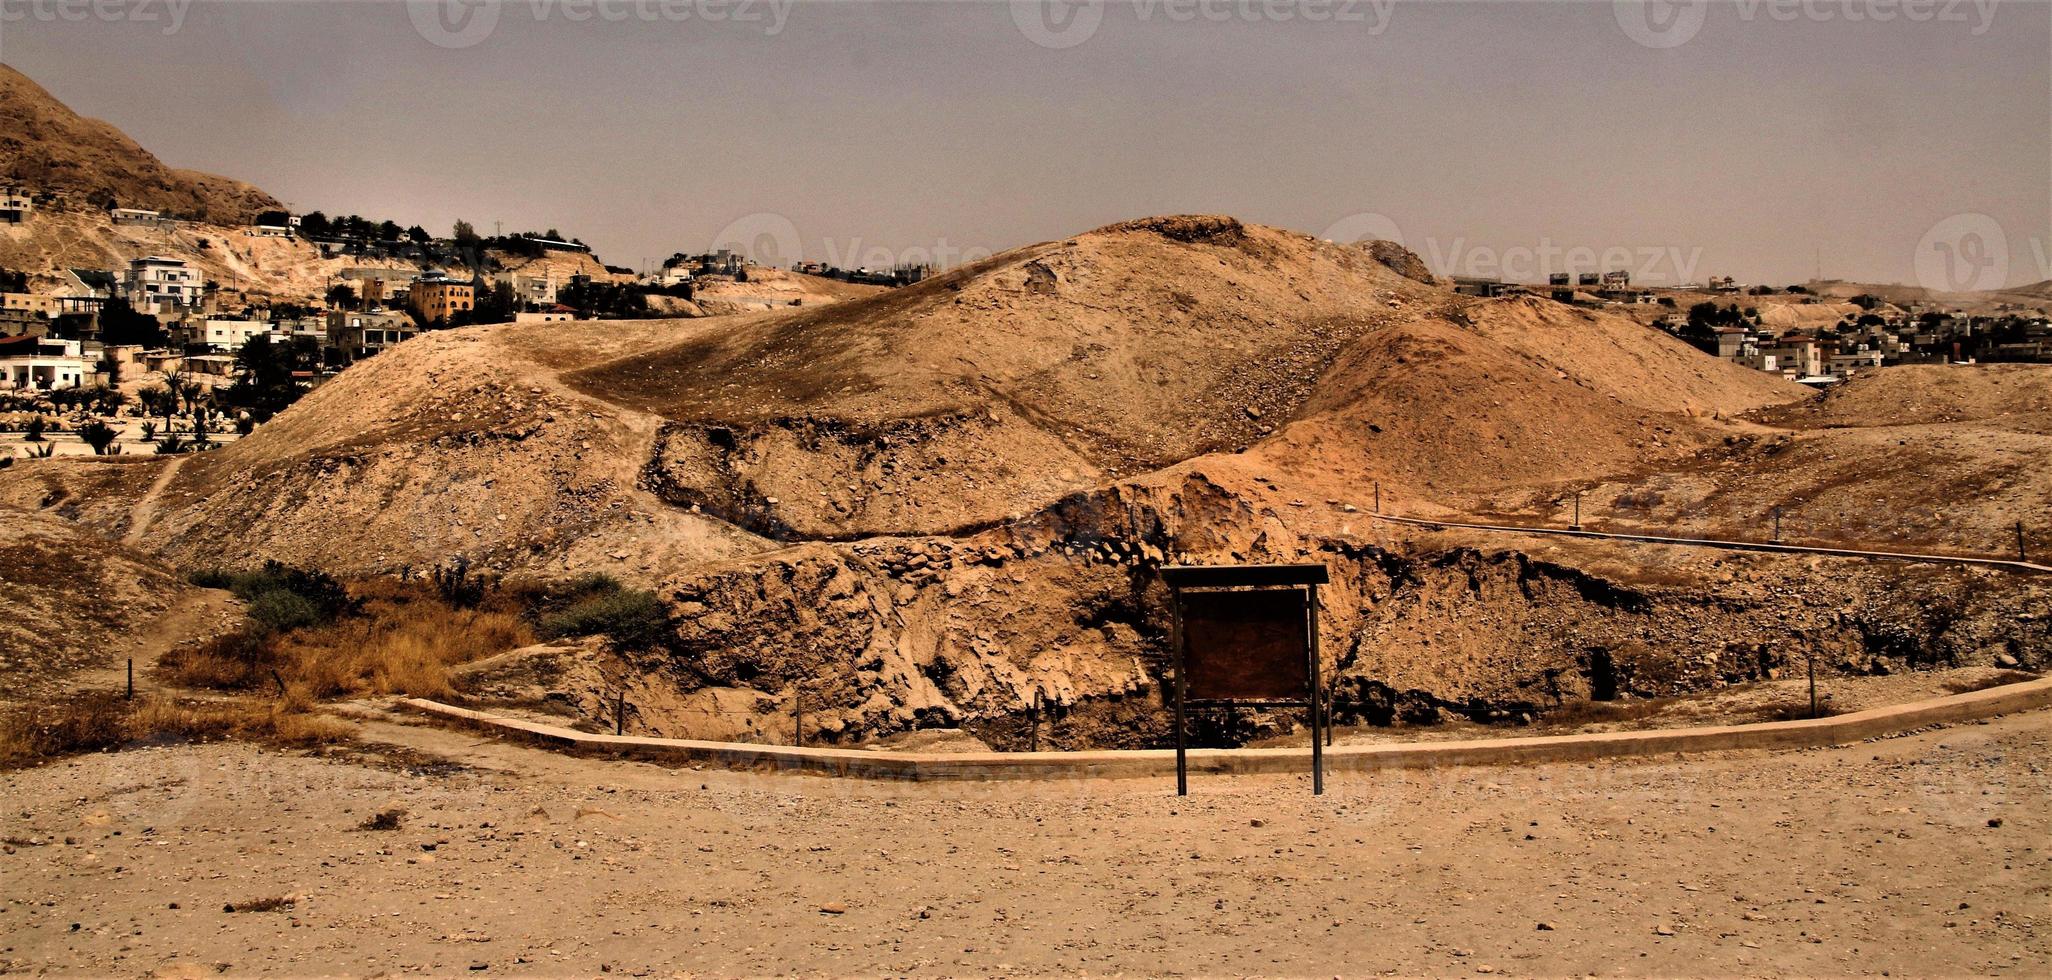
1796,332
159,323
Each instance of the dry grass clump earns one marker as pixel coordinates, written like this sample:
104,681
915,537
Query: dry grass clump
386,819
390,638
270,904
101,721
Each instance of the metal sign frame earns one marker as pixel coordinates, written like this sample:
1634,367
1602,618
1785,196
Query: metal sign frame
1301,579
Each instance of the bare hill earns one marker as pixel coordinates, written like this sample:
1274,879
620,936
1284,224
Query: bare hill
64,594
1933,393
995,389
1515,392
47,147
931,505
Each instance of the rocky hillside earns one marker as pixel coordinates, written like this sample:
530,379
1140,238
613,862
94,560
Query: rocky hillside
49,148
927,507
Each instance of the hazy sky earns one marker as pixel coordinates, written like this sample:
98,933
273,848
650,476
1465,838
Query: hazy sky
1686,140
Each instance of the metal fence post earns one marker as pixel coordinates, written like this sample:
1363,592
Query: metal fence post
1811,658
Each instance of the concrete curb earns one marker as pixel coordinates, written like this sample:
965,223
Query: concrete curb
911,766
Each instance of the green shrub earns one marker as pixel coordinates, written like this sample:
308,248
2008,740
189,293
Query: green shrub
277,611
280,596
628,618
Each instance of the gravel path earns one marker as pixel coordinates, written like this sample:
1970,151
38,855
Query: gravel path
1870,859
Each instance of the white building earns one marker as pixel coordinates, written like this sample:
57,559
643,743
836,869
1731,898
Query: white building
534,290
15,206
228,335
155,282
41,362
1846,364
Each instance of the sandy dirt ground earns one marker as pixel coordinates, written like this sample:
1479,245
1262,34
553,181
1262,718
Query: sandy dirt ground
1875,859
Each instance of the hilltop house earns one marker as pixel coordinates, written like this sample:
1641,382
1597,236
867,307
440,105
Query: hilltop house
133,216
220,334
533,290
378,287
29,302
1798,353
87,292
1846,363
157,283
15,206
554,314
42,363
434,296
360,335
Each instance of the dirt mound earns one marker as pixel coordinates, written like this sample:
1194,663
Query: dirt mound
1915,394
1938,458
1512,393
64,593
995,389
1800,316
1403,260
457,443
49,148
770,289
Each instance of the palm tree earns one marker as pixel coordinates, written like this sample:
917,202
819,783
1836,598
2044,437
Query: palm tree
98,435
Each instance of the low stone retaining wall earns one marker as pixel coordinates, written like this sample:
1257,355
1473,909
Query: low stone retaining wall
866,764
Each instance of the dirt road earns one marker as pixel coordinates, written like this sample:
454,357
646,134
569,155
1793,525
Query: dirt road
1870,859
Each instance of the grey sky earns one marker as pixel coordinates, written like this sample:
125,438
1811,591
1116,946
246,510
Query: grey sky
1483,132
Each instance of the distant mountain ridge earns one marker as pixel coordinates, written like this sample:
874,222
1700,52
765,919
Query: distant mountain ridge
46,147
